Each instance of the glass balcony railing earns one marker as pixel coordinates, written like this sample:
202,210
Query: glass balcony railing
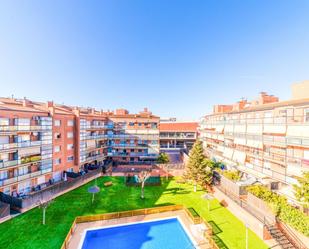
4,182
13,128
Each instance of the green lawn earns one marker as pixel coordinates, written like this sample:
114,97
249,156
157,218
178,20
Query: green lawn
26,230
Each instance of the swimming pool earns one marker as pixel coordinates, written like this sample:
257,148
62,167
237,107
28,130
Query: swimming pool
165,233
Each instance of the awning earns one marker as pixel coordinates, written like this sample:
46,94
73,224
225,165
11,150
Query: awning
240,128
29,151
276,129
255,144
255,129
297,131
239,156
228,153
229,129
241,141
219,128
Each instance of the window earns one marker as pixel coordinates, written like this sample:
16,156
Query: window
70,147
57,148
70,122
57,161
57,135
57,122
70,158
131,124
69,134
3,175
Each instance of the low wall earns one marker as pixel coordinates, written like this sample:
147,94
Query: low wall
253,223
232,186
33,199
261,207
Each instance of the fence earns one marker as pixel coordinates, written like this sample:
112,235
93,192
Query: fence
32,199
4,210
145,211
265,217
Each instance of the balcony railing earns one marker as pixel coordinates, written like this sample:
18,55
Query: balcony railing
19,178
14,163
14,128
103,136
20,145
128,145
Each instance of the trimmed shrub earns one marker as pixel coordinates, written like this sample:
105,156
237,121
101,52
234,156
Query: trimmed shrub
279,205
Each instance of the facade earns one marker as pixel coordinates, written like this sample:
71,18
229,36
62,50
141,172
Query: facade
25,146
135,137
41,141
267,139
177,135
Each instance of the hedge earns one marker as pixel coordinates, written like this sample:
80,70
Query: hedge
282,209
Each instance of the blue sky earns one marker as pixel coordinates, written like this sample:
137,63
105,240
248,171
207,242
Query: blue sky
176,57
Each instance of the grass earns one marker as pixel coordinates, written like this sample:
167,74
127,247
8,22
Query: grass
26,231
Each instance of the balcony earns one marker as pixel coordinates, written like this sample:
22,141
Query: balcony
129,145
193,137
96,137
95,157
26,128
8,164
24,144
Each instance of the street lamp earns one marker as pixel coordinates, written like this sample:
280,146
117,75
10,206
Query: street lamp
208,197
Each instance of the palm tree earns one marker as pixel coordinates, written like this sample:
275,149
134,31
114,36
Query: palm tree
142,178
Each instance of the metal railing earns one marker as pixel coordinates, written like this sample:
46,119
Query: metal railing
266,220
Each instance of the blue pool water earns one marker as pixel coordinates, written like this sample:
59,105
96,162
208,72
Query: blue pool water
162,234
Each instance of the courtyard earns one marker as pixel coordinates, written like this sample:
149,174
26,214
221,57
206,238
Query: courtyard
26,230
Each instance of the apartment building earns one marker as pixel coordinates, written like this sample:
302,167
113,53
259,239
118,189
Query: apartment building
267,139
25,146
40,141
135,137
176,135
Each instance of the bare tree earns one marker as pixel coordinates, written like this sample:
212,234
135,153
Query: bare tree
44,203
142,178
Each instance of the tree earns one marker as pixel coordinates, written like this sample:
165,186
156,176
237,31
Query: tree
198,169
302,190
142,178
163,158
44,204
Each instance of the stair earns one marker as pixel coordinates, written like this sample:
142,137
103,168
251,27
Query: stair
282,240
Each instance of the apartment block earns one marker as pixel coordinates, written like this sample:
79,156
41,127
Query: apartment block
266,138
40,141
176,135
26,142
135,137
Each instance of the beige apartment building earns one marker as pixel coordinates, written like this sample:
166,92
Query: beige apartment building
266,139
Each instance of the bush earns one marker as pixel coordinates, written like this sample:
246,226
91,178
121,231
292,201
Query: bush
287,213
233,175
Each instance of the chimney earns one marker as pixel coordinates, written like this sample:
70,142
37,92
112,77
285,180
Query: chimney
50,104
26,102
76,111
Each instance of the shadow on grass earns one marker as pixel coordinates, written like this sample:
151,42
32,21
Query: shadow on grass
217,230
176,191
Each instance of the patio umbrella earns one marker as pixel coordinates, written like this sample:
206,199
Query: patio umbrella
93,190
208,197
